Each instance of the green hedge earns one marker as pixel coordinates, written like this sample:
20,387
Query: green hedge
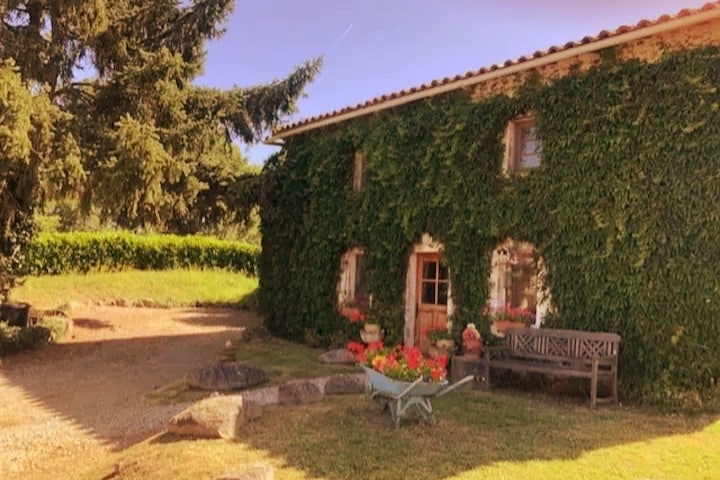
57,253
625,211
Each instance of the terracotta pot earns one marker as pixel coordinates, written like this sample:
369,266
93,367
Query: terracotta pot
473,347
350,312
367,337
503,325
372,328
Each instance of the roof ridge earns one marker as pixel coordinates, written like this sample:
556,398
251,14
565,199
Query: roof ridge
306,123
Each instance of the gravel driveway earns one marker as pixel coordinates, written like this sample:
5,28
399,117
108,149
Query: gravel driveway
86,396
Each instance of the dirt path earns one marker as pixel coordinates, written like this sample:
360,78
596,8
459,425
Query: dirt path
87,395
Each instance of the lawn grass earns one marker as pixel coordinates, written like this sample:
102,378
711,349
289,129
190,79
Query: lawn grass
496,436
478,436
159,288
285,361
281,360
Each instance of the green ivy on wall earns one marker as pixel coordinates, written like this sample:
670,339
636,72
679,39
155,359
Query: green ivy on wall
625,211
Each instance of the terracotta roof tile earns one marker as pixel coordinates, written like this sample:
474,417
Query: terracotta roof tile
623,29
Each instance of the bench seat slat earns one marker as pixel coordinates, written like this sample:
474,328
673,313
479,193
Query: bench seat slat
550,368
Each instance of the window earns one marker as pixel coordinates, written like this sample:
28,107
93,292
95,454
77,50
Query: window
360,293
358,171
523,152
514,277
352,286
435,279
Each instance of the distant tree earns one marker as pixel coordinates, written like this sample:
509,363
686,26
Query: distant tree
138,141
27,146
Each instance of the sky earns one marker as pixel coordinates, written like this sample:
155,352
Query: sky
375,47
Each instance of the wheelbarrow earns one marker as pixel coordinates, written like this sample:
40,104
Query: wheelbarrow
399,397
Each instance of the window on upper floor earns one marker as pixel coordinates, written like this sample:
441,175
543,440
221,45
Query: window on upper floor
523,146
358,171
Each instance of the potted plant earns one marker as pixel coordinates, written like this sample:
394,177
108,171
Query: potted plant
350,309
441,336
511,317
472,340
371,330
400,363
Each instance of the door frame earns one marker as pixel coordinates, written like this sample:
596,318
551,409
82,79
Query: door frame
425,245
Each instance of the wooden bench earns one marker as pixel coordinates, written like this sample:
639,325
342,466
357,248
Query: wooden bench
570,353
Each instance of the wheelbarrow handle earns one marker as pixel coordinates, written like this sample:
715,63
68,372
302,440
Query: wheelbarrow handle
452,387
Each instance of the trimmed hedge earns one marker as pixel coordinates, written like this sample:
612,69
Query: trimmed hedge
58,253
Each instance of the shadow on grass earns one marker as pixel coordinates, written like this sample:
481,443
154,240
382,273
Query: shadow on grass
340,437
351,434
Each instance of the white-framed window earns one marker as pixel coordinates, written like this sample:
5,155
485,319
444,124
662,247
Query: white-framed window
516,280
522,151
358,171
352,286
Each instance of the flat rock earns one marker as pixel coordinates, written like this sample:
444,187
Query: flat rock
262,396
346,383
251,471
339,355
299,392
226,376
219,416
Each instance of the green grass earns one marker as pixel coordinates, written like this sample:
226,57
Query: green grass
281,360
160,288
500,435
478,436
496,436
284,361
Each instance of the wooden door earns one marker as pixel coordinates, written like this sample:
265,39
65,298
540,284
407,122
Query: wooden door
433,282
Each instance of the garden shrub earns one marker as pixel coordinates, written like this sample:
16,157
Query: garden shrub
17,339
57,253
57,325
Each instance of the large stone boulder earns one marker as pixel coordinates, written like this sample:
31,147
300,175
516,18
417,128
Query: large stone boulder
219,416
339,355
349,383
299,392
252,471
226,376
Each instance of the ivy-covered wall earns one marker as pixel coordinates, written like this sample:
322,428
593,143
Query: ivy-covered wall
625,211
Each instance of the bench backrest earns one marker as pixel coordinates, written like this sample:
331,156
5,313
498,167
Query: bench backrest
555,344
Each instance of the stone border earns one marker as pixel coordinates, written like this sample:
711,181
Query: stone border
271,395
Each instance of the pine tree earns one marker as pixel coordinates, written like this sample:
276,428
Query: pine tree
139,141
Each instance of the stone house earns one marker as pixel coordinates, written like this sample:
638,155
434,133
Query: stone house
515,268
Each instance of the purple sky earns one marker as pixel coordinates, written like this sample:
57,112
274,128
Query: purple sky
373,47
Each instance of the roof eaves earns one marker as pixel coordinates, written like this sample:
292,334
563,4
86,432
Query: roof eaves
587,44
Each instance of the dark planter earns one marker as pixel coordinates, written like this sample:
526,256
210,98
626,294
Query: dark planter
16,314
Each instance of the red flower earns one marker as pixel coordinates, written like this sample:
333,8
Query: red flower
357,317
400,363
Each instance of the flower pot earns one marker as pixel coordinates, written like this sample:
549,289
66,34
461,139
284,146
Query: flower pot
350,312
446,344
371,328
472,347
501,326
16,314
367,337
